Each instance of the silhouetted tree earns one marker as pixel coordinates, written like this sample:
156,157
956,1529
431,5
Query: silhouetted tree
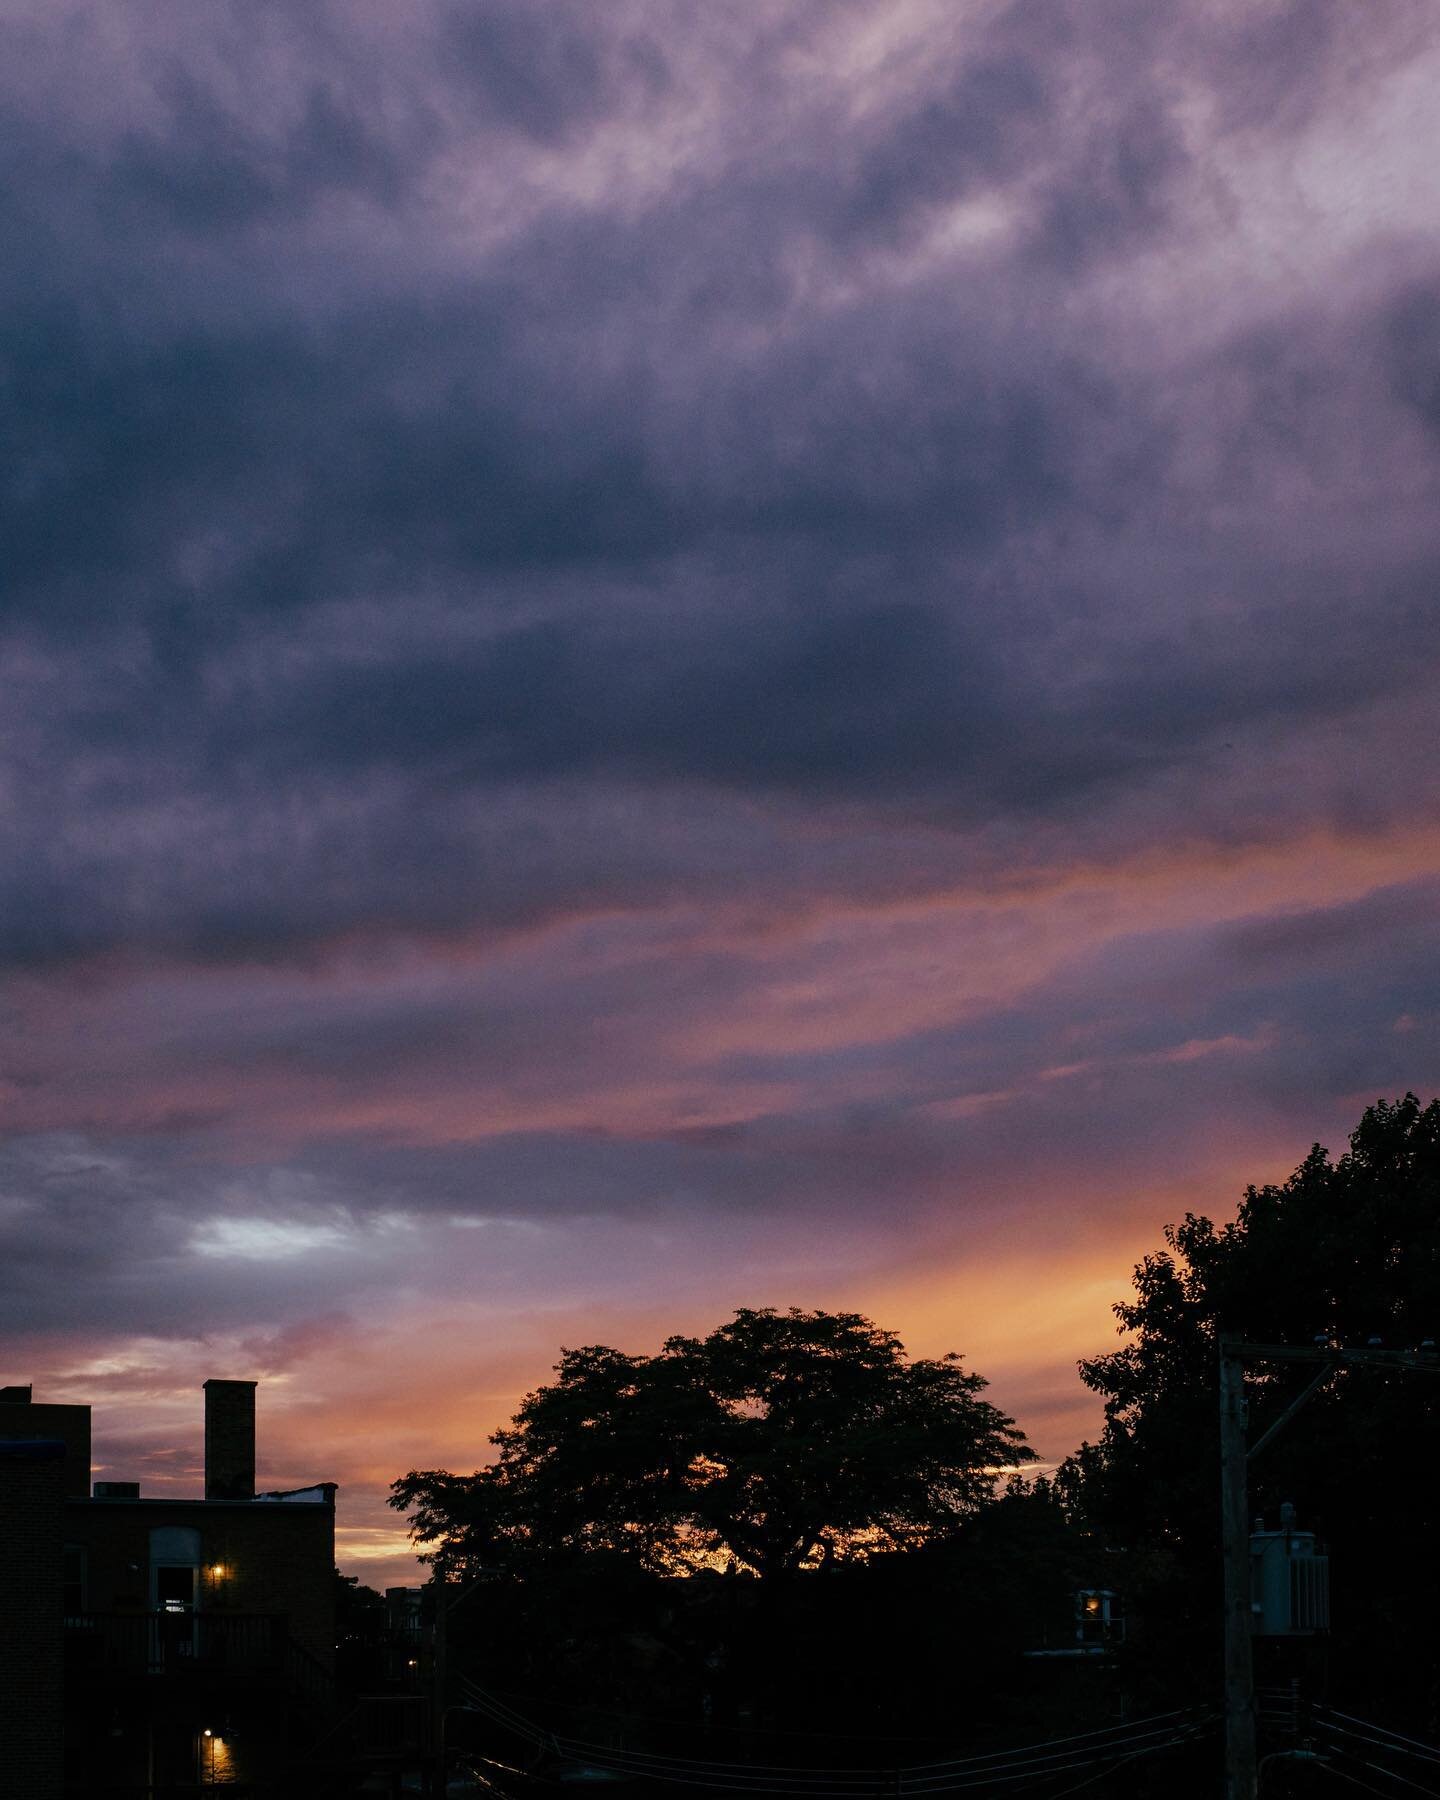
1348,1250
360,1630
780,1441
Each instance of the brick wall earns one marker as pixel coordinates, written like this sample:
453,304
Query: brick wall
70,1424
32,1483
277,1557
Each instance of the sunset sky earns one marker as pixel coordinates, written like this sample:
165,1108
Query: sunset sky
667,656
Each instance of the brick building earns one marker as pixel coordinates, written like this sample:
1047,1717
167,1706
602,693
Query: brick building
154,1646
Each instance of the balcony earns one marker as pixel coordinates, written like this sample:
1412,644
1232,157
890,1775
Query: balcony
250,1647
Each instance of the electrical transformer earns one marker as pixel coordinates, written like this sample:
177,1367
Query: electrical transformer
1289,1581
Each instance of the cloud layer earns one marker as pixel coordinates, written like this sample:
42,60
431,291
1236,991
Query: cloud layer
658,661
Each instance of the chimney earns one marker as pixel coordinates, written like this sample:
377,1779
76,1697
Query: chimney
229,1440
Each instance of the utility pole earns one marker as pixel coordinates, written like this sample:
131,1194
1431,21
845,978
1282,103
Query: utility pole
1240,1765
440,1710
1235,1545
440,1675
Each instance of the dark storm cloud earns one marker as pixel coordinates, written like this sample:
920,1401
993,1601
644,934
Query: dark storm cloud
65,1203
334,448
985,122
231,473
69,1203
545,74
205,168
1315,1007
1413,352
1277,66
1114,1067
1286,1004
283,790
212,476
1116,192
340,448
873,695
467,469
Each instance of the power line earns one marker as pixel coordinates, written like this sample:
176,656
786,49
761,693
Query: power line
1116,1736
1379,1743
1414,1744
1122,1725
1110,1745
1105,1756
1378,1769
858,1782
1354,1780
1090,1780
1036,1768
1404,1780
1126,1730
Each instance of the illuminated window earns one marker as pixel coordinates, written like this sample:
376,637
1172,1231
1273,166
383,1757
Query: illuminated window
1099,1618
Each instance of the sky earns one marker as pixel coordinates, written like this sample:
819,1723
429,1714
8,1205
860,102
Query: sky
662,657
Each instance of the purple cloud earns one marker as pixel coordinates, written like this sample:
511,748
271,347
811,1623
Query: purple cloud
638,641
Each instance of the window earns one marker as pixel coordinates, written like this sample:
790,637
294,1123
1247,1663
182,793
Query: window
174,1568
174,1590
1098,1617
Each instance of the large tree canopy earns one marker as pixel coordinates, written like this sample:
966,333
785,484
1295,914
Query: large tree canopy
1346,1250
779,1441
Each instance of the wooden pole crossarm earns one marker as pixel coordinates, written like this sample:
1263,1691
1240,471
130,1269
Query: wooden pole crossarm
1317,1381
1425,1360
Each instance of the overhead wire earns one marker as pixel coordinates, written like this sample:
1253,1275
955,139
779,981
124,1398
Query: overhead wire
1100,1738
1379,1743
879,1783
1126,1730
1391,1775
1105,1756
920,1774
537,1734
1039,1768
499,1698
1376,1768
1110,1745
1412,1745
1121,1725
1099,1774
1354,1780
